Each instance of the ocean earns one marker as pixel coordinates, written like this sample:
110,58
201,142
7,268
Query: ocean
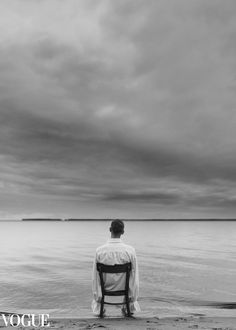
186,267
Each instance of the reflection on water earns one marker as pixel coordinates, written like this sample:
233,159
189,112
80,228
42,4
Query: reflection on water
185,267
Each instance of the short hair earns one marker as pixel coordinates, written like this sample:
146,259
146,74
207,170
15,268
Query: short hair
117,226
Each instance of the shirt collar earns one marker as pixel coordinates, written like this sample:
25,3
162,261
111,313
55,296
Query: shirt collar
114,240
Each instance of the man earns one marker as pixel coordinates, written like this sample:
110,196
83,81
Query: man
116,252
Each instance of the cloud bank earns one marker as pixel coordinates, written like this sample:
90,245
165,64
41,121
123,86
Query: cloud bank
117,109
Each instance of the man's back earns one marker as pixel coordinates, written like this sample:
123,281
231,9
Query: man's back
115,252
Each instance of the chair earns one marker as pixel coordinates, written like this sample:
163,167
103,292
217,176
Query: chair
122,268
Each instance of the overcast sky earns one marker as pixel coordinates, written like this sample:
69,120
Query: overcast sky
117,108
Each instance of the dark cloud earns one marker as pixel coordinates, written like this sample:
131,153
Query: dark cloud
144,197
72,160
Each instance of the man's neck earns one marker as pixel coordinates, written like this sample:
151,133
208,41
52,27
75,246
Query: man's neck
115,236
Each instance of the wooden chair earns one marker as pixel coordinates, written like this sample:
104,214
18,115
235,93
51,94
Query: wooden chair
122,268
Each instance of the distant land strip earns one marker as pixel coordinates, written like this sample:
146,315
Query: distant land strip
41,219
110,219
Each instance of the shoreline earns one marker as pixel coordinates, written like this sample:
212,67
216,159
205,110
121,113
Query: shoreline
149,323
139,323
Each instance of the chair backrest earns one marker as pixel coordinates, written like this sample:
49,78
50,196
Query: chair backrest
118,268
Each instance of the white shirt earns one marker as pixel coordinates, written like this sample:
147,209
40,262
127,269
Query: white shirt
111,253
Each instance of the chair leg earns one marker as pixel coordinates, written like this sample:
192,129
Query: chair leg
101,308
127,306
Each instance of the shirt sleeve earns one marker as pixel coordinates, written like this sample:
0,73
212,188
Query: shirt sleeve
134,278
96,287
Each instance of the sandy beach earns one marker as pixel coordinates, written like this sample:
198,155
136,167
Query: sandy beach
154,323
179,323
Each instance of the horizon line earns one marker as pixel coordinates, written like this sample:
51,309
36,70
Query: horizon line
124,219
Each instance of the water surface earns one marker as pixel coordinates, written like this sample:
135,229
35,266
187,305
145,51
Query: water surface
185,267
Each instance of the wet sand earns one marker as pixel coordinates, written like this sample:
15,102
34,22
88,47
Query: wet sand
178,323
147,324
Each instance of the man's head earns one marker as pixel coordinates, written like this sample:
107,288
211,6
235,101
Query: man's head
117,228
